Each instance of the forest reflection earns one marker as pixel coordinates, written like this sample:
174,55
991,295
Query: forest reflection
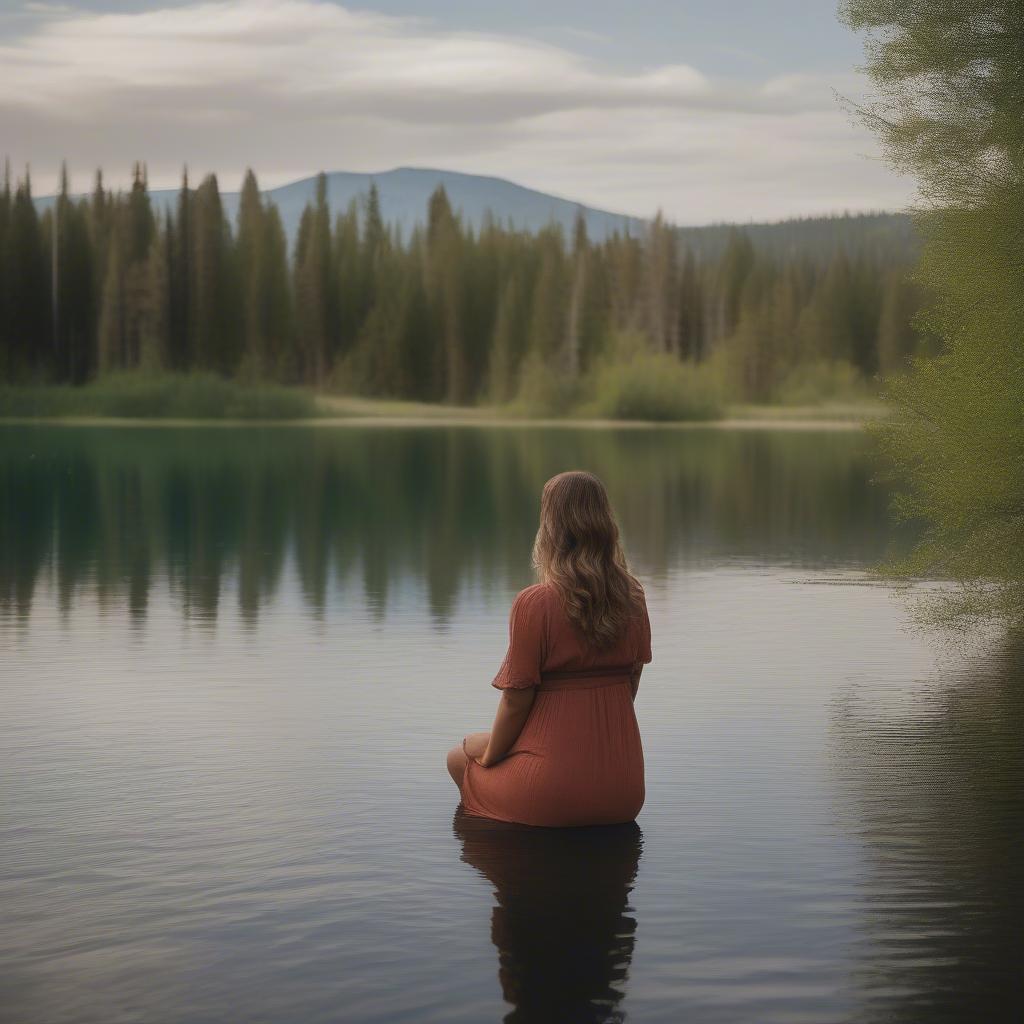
934,788
219,510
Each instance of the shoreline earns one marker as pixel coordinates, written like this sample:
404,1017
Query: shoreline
200,402
780,423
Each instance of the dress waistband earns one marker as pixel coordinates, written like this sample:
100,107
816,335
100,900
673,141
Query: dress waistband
585,678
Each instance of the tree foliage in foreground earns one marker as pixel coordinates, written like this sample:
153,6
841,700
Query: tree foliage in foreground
950,80
453,314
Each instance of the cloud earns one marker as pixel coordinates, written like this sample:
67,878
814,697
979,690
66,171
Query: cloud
315,52
292,86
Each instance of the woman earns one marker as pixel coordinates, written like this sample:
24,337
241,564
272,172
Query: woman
565,747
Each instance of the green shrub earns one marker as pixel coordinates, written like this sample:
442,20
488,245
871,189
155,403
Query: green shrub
652,387
269,402
544,391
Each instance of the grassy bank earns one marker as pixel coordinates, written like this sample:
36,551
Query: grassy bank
336,409
205,397
856,412
190,396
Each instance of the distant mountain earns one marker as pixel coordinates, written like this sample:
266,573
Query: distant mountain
405,192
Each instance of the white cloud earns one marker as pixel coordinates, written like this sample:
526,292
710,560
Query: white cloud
304,50
292,86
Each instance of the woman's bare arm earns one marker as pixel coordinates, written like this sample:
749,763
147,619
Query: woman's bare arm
513,709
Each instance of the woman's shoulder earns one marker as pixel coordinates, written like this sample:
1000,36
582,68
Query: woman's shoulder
535,595
535,603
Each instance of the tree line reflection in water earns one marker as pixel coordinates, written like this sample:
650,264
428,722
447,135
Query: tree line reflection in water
933,788
116,509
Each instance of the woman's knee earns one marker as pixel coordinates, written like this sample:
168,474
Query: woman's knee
456,765
475,744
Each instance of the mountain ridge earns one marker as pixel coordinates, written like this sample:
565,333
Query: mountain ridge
405,191
404,194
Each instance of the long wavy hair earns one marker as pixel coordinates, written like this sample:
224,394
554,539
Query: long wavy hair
577,549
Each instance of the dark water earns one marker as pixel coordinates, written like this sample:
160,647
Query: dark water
233,660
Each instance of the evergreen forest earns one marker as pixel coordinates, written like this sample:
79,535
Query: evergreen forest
105,283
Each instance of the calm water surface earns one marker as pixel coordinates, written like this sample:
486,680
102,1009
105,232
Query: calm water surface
233,660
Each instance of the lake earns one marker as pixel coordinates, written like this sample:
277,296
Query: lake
233,660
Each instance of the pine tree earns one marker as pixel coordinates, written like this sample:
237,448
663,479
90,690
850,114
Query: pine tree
625,260
76,276
315,287
29,274
826,325
216,341
138,229
578,296
549,313
736,266
276,305
352,287
111,343
483,260
594,314
374,234
373,271
181,273
662,287
691,329
99,222
443,284
154,313
753,345
504,346
249,245
6,256
378,364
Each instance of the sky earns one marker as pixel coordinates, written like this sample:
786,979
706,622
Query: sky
708,110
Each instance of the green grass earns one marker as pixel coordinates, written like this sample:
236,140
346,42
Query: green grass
830,411
158,396
642,391
357,407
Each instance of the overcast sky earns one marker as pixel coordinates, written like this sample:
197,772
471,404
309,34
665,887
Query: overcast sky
709,109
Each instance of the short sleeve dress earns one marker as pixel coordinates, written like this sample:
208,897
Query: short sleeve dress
578,759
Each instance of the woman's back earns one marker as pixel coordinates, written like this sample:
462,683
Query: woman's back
578,759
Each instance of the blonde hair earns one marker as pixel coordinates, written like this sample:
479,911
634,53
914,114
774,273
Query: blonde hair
577,550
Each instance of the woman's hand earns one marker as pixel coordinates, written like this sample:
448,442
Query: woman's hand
488,748
513,710
474,746
488,760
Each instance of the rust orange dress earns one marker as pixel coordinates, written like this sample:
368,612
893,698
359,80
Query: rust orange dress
578,759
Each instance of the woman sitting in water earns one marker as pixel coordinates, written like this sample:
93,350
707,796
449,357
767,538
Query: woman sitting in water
565,747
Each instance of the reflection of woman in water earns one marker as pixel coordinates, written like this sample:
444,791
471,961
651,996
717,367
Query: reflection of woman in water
565,747
561,919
